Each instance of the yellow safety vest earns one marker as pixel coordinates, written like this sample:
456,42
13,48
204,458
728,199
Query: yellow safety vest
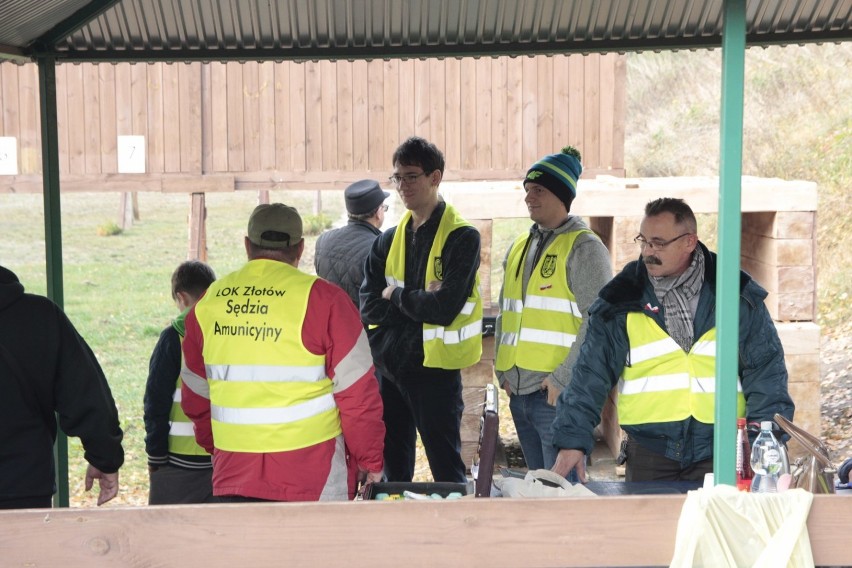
665,384
181,433
268,393
538,330
459,344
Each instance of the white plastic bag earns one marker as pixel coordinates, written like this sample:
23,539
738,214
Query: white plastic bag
722,526
540,483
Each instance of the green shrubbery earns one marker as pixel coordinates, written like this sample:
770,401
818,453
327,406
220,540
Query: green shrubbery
797,124
313,225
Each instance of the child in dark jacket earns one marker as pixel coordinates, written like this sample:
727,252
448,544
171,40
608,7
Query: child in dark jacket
180,471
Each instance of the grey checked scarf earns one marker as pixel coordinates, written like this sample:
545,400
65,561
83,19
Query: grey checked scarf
679,297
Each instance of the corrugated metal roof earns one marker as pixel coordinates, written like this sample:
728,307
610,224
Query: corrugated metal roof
77,30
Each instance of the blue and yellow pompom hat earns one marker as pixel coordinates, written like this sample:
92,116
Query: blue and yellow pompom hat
558,173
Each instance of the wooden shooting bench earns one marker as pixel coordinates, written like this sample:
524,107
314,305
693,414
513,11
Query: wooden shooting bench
600,531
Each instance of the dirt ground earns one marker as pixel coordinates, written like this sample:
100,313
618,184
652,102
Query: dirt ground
836,390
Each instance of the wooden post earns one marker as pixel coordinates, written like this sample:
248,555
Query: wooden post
128,210
318,202
197,228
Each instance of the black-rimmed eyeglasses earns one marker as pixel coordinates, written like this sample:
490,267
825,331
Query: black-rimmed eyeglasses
406,179
656,244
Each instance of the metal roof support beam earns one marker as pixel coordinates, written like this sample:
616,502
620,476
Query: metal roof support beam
52,231
728,279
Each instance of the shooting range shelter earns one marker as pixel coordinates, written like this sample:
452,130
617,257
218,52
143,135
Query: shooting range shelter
620,531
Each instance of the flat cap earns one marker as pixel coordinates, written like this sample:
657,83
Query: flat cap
363,196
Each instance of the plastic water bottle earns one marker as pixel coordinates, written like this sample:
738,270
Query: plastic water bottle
767,460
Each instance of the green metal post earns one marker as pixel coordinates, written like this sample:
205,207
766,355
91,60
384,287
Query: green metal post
53,232
728,279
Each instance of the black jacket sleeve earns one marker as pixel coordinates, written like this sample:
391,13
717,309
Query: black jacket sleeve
84,401
163,371
375,310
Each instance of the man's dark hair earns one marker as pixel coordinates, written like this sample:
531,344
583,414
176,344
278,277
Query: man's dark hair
419,152
192,277
682,212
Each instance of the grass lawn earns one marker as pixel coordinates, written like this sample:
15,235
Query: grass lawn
117,289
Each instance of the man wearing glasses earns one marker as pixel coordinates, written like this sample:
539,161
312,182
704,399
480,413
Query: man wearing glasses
652,332
420,297
340,253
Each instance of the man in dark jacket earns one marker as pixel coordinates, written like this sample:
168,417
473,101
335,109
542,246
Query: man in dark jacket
341,253
46,367
652,332
420,291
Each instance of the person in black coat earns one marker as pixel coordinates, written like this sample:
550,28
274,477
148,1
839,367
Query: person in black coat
428,289
46,367
341,253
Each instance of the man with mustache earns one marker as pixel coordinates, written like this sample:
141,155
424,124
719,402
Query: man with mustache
652,332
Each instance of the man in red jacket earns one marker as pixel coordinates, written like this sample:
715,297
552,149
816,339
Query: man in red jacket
278,376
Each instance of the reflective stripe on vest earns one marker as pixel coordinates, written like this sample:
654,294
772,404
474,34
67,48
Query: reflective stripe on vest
181,433
665,384
459,344
268,393
538,328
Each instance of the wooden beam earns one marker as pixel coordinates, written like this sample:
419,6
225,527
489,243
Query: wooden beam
120,183
611,531
608,196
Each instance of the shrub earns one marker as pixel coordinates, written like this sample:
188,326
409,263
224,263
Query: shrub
109,229
315,224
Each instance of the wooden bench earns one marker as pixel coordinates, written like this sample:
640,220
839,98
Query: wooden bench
601,531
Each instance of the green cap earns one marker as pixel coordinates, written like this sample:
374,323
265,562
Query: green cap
274,225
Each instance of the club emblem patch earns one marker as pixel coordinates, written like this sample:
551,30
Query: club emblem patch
439,268
548,266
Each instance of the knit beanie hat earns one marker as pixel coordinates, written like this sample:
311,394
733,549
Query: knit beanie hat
558,173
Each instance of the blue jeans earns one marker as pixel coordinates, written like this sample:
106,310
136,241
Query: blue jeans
533,418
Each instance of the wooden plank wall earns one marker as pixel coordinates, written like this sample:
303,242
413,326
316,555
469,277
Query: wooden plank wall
488,115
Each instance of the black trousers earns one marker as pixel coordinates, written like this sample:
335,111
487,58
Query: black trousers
645,465
429,402
43,502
